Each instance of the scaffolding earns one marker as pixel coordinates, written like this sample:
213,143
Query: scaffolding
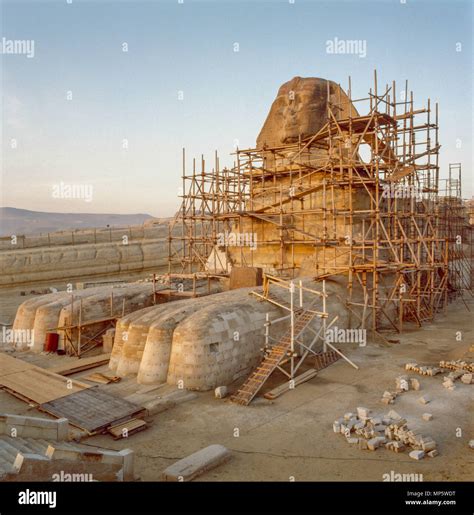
360,199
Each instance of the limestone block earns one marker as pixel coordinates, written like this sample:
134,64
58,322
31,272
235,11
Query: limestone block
220,392
196,464
417,455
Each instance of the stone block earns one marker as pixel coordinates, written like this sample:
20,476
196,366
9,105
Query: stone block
433,453
467,378
127,464
197,463
417,455
428,446
424,399
427,417
373,444
415,384
394,415
398,447
220,392
401,384
363,412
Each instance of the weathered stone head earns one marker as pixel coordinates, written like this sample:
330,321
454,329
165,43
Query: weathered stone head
300,109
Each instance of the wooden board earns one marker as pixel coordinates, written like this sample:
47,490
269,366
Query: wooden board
132,426
80,364
35,383
280,390
10,365
93,410
102,378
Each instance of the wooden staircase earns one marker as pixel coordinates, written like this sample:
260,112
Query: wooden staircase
257,378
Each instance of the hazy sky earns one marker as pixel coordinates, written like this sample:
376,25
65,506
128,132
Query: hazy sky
189,48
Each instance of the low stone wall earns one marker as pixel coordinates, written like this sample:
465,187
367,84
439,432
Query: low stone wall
43,264
34,427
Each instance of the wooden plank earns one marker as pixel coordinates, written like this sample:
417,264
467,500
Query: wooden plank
10,365
280,390
35,383
131,426
80,364
102,378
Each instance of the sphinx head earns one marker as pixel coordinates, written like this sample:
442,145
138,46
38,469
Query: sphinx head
299,110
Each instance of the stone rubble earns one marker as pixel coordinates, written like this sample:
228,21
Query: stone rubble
422,370
391,431
457,365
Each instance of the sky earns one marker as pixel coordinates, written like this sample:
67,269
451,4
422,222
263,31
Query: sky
67,109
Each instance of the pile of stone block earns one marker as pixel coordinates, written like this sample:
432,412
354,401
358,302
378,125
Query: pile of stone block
370,432
403,383
459,370
424,370
457,365
449,380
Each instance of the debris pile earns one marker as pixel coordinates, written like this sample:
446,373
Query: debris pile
424,370
459,370
457,365
373,431
402,384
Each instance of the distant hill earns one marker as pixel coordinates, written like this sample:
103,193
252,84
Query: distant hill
23,221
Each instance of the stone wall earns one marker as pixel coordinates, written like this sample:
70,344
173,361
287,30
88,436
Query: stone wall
44,264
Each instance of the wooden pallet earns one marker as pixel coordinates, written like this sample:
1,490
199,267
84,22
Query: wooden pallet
93,410
259,376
